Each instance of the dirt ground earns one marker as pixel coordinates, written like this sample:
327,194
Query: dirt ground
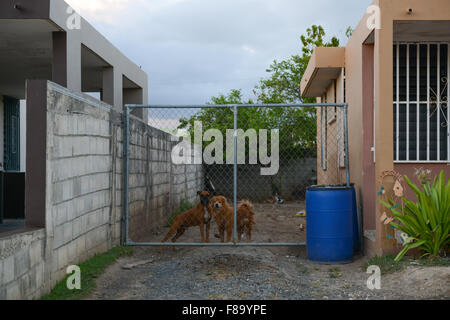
274,223
258,272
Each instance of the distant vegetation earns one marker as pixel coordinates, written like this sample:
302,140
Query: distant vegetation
281,86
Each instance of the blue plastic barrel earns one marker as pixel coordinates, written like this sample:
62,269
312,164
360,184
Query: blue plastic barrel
329,224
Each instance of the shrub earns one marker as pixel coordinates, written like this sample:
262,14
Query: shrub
427,222
183,207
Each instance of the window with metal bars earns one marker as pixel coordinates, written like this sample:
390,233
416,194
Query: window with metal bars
421,113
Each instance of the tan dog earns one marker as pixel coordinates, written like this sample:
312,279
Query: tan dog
245,219
223,214
198,216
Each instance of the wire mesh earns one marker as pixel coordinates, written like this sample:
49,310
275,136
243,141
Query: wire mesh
194,185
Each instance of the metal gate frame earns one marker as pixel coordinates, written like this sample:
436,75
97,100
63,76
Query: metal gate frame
126,146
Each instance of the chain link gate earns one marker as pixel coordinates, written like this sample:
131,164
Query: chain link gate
253,163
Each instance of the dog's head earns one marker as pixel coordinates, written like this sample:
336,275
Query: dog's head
218,202
204,197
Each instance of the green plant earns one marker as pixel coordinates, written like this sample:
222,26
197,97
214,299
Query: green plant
387,264
334,272
90,269
427,222
184,206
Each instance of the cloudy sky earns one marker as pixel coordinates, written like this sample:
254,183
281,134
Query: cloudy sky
195,49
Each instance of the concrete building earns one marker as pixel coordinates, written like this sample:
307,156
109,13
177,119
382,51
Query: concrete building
49,40
394,74
62,88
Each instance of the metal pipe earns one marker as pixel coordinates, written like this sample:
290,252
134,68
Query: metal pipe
448,102
347,169
407,102
438,103
428,102
235,111
126,145
214,244
418,104
274,105
397,113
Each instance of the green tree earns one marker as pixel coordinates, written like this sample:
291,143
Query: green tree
297,125
295,140
282,85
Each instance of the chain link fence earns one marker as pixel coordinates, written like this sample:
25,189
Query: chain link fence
195,185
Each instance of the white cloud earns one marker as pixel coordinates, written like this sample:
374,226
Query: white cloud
115,11
195,49
100,10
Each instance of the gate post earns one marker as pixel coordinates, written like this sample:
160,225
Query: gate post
235,109
126,145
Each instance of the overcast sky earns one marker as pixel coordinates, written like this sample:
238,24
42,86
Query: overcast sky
195,49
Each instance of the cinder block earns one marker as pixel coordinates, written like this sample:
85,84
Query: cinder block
62,257
8,270
36,253
2,293
90,240
72,252
76,225
60,214
58,236
81,246
13,291
39,274
26,285
21,262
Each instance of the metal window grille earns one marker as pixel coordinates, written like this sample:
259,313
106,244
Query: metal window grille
421,112
11,134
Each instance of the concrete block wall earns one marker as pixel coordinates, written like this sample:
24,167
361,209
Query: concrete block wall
80,218
293,176
83,196
156,185
23,265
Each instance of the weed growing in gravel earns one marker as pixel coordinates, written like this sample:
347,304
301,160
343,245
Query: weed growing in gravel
90,269
388,264
334,273
302,268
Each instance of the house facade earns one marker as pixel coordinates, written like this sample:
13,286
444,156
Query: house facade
49,40
62,90
393,73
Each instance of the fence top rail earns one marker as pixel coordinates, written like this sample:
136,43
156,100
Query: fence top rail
270,105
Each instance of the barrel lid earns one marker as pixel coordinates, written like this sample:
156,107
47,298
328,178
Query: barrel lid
329,187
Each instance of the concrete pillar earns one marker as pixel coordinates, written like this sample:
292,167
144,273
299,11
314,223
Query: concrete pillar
59,58
135,96
108,85
118,86
36,153
74,60
66,59
384,126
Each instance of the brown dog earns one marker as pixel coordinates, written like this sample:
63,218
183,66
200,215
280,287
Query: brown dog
223,214
245,219
198,216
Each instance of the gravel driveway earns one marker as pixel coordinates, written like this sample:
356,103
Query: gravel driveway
258,273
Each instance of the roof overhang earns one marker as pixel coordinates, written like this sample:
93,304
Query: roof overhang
324,66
